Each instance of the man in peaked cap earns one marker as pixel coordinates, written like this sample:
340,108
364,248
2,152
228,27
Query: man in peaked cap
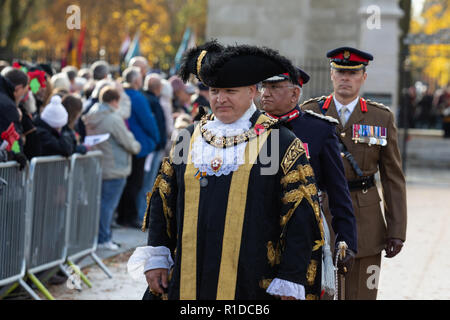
279,99
368,137
227,220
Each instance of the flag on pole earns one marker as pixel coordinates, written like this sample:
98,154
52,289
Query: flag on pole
134,49
123,51
125,46
80,46
183,47
73,55
68,54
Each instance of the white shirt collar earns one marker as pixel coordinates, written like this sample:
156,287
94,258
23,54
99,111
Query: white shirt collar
223,129
350,107
203,153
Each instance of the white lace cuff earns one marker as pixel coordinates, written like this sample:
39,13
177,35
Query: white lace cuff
279,287
148,258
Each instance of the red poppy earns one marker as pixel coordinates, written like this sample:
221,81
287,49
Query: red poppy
259,129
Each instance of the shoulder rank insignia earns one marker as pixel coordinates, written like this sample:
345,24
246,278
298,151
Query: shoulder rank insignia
377,104
316,99
323,117
372,135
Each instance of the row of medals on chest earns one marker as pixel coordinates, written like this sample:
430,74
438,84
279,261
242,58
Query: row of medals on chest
367,140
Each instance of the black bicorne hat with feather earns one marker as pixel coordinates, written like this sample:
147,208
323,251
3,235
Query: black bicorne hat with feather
218,66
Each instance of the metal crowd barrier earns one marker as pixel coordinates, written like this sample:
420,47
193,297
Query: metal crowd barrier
12,224
48,219
84,208
47,211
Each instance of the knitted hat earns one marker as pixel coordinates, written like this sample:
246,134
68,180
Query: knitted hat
54,114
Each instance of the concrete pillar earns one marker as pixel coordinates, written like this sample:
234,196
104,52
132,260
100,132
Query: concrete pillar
379,36
275,24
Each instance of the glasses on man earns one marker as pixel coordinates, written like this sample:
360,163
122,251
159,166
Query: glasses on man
273,87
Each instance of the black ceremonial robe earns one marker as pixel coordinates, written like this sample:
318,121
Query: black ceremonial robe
230,239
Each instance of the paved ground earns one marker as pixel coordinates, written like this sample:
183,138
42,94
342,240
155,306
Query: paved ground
120,287
418,272
428,151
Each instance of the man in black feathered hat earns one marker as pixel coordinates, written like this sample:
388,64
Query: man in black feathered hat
234,213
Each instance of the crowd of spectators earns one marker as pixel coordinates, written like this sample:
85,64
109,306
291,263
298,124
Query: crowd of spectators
47,113
426,108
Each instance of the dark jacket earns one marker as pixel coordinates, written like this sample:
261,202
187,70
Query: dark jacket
71,138
201,101
32,146
159,117
8,109
80,126
53,143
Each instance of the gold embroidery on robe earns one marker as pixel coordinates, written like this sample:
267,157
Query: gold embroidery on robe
307,171
265,283
294,152
311,272
166,168
149,196
273,254
298,175
164,187
297,196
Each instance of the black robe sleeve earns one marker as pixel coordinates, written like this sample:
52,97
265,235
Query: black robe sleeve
302,230
160,216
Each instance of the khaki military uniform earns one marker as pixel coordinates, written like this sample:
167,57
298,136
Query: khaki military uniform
373,228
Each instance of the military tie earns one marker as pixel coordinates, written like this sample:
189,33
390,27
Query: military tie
342,116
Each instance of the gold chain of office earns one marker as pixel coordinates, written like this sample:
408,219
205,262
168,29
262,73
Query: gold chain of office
227,142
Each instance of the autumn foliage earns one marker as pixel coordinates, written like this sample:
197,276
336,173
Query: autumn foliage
432,61
108,22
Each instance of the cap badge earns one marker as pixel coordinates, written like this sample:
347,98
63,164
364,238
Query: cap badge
346,55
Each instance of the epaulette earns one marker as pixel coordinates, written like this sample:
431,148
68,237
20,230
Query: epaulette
377,104
269,122
316,99
321,116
